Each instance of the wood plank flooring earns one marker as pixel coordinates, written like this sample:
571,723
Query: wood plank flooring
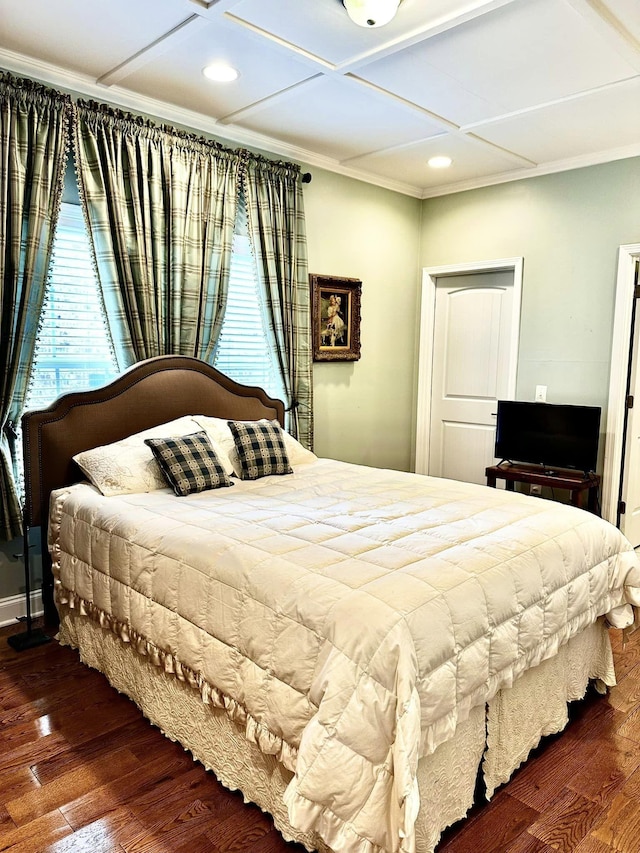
81,771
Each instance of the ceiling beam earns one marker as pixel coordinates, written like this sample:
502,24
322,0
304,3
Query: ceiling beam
607,25
202,14
185,29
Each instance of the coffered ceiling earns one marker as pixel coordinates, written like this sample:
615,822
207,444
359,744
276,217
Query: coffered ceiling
506,88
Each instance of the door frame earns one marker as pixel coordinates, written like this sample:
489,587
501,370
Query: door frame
616,406
430,275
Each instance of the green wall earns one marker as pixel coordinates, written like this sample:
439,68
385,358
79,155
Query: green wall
364,410
567,227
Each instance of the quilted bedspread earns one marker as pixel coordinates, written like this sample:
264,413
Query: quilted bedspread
347,617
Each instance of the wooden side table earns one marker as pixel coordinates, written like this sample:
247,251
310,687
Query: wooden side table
575,482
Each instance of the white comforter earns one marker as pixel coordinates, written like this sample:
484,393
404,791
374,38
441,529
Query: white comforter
348,617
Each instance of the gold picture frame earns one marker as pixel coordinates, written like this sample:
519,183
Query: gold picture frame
335,317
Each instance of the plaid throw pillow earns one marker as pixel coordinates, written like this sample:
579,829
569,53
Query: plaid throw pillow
260,448
189,463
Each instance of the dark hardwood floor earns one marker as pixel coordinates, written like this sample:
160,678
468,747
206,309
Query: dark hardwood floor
81,770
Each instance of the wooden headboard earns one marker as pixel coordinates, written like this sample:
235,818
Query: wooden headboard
149,393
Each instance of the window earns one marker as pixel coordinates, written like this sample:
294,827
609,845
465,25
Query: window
74,351
244,351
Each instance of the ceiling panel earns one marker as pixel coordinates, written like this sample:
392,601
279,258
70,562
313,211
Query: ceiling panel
601,121
471,160
87,37
340,118
527,53
177,72
410,75
327,31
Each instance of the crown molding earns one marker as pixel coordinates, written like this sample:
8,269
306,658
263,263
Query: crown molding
582,162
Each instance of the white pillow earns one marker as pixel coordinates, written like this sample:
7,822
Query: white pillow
298,454
128,466
222,438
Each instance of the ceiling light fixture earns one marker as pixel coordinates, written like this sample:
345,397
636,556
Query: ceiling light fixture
220,72
371,13
439,162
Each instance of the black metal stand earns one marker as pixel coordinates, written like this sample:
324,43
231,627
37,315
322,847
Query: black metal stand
32,637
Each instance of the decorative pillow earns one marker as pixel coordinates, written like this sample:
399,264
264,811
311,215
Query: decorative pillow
260,447
189,463
127,466
222,438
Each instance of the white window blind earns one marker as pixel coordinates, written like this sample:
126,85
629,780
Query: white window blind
73,352
244,351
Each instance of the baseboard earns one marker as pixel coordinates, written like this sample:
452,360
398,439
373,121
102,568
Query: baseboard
13,607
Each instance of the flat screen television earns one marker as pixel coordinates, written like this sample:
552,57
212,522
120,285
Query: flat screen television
555,436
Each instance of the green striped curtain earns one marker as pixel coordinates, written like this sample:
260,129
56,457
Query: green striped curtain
275,210
160,208
34,136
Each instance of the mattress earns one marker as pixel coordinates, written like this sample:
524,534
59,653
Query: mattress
349,619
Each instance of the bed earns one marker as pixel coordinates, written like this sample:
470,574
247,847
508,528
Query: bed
350,647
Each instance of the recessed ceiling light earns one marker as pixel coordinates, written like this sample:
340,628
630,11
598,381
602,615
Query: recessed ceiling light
439,162
220,72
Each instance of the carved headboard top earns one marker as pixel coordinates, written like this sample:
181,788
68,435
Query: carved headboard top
149,393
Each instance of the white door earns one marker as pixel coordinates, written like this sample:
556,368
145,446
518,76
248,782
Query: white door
630,493
474,333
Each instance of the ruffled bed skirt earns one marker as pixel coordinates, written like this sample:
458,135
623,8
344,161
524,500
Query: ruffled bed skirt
499,736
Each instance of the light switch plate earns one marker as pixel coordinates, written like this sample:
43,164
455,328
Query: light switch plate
541,393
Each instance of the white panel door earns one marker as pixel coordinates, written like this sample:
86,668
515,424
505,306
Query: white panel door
472,348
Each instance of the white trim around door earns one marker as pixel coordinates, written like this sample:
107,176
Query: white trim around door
620,350
430,275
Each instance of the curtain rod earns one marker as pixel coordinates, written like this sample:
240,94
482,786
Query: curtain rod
306,177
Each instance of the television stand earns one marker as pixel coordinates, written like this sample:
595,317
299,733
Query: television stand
576,482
